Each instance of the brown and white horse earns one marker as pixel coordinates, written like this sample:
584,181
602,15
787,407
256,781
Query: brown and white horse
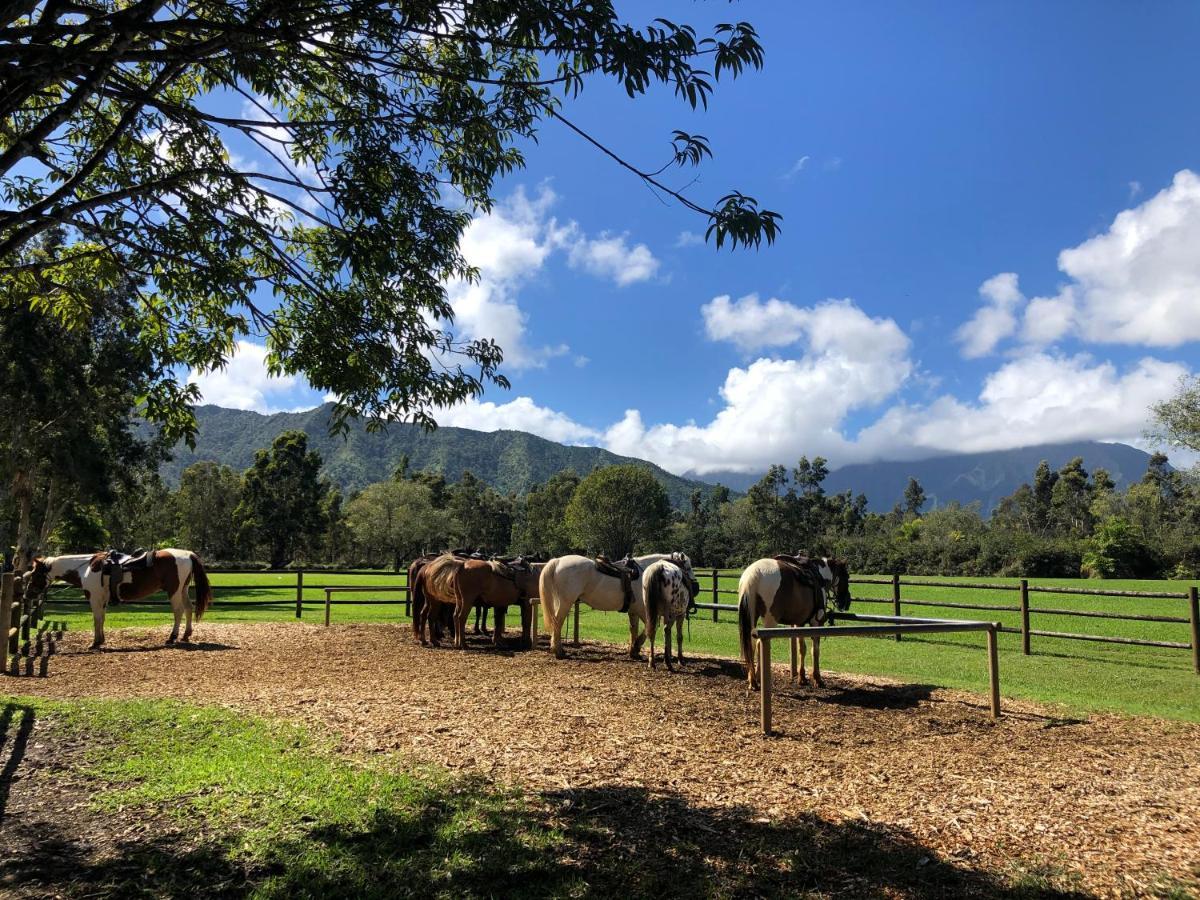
773,592
172,571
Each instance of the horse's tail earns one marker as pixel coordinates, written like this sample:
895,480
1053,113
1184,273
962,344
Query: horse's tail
655,591
547,594
416,589
204,596
746,624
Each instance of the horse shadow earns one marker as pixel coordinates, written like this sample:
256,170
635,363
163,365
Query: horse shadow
16,726
593,842
190,647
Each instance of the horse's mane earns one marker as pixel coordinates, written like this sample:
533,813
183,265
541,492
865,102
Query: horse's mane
440,573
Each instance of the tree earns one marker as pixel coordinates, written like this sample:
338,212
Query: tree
914,497
479,515
207,501
395,521
1071,499
282,495
1041,501
616,509
1177,421
541,525
370,133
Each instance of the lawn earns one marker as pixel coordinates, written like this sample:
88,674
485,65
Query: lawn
1082,676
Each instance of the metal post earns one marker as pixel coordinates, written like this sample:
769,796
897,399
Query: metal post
715,595
328,592
994,671
575,640
1195,604
6,595
764,682
300,594
1025,616
896,598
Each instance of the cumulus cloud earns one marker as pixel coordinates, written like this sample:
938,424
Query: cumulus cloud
1136,283
510,245
995,320
245,384
778,408
519,414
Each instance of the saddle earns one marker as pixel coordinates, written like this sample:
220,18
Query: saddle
804,570
627,570
115,564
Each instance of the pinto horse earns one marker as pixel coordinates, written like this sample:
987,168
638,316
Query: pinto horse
788,594
172,571
462,584
566,579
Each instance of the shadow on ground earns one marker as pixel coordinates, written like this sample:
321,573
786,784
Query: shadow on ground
462,839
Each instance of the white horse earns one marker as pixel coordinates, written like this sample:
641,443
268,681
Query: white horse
668,589
774,593
566,579
171,571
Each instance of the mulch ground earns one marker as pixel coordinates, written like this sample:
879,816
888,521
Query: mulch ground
1113,800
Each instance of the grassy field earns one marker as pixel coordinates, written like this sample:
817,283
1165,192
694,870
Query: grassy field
201,801
1083,676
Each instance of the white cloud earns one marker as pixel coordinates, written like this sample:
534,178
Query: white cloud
1136,283
796,169
995,320
245,384
519,414
610,256
1040,398
689,239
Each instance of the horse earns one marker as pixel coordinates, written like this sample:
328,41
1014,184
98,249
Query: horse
462,584
668,588
789,591
566,579
420,610
171,571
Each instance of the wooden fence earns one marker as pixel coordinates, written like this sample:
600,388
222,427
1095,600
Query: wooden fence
23,629
904,593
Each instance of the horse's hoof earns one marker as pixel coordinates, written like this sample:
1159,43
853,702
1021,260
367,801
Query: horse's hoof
171,641
818,682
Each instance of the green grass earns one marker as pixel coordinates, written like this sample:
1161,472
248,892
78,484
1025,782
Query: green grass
1082,676
198,801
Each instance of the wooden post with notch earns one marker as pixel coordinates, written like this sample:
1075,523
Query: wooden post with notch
896,598
715,595
1194,602
300,594
1025,616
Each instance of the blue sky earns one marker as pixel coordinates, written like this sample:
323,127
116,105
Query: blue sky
991,235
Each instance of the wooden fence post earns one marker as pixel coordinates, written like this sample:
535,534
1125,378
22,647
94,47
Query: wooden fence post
575,640
300,594
14,621
764,683
26,615
993,672
328,604
896,598
1025,616
1194,602
6,595
715,596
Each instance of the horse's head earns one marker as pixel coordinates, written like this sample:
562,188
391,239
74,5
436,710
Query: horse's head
37,577
839,587
685,564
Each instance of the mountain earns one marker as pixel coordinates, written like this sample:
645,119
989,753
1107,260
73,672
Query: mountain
507,460
965,477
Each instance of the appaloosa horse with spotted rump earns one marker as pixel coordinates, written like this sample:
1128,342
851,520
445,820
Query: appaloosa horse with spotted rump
172,571
668,589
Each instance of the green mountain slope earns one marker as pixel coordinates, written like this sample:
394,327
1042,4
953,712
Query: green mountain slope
510,461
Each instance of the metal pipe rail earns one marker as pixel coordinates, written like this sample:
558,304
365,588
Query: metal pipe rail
888,625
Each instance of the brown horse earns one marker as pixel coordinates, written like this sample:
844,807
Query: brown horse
461,584
171,571
787,591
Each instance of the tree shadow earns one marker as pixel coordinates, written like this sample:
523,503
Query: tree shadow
465,840
13,743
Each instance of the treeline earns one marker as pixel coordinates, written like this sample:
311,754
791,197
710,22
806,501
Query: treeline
282,512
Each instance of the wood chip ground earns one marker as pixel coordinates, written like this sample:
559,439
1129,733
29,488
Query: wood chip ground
1114,800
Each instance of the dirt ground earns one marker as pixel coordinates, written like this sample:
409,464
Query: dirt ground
1114,800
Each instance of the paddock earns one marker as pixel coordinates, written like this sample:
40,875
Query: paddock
1110,798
